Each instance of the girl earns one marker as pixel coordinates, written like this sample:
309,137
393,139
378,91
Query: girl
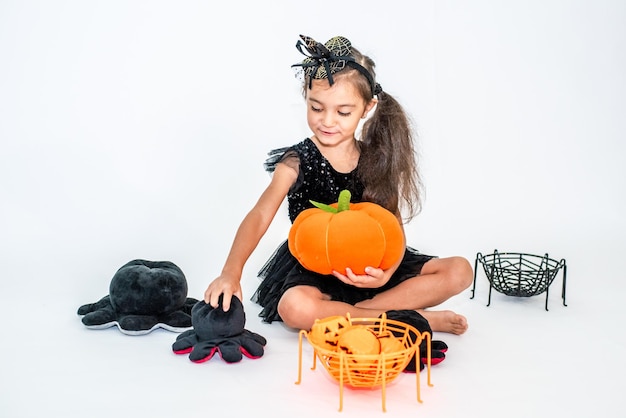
340,89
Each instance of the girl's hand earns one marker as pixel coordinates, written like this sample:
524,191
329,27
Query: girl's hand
373,277
226,285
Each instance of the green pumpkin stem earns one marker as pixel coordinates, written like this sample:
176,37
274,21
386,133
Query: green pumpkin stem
342,204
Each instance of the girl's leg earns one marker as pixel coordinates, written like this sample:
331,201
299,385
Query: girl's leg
440,279
300,306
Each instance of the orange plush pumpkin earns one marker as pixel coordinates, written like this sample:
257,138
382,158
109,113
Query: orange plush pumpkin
341,235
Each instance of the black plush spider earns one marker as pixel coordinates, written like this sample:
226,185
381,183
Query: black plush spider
143,295
217,331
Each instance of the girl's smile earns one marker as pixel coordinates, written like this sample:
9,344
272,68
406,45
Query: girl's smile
334,112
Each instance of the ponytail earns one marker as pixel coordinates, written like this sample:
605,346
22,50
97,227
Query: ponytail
387,164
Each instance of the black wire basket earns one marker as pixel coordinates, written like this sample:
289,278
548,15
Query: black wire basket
520,274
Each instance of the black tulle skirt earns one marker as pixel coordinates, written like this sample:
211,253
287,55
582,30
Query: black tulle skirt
282,271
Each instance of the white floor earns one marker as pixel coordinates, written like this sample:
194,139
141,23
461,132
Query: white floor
517,360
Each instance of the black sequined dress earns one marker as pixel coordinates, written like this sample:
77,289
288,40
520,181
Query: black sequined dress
320,182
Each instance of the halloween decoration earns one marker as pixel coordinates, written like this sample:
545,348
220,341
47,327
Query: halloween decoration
143,295
391,346
359,339
217,331
325,332
389,343
333,237
520,274
358,359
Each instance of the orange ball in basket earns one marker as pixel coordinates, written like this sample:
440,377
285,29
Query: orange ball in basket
389,343
359,339
392,347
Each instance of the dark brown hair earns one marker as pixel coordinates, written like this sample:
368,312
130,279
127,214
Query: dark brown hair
388,160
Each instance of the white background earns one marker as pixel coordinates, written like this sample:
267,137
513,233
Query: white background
138,129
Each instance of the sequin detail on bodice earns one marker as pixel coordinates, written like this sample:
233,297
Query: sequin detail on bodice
317,179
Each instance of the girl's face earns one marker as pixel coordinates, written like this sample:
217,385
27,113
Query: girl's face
334,112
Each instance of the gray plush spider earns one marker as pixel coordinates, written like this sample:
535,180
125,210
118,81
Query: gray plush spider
143,295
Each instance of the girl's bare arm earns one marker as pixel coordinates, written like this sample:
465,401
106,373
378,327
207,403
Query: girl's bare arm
248,235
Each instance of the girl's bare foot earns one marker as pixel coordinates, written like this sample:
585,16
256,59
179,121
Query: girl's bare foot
445,321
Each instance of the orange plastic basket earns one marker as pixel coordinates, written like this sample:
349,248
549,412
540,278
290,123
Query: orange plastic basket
370,370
